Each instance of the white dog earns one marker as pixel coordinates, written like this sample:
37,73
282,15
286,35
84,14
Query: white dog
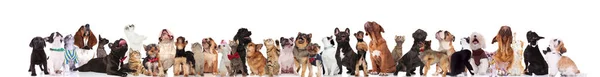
57,54
166,46
225,64
134,40
553,56
480,60
328,55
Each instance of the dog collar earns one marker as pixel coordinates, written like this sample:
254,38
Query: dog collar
533,45
360,40
57,49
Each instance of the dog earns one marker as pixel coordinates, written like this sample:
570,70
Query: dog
70,53
517,67
198,58
349,57
459,60
446,39
258,61
100,52
557,62
85,40
151,62
328,53
181,63
110,63
381,58
430,57
38,56
167,49
534,61
243,38
273,53
286,58
225,64
397,52
504,56
361,48
315,59
135,40
134,62
210,55
301,53
236,61
411,60
480,60
57,54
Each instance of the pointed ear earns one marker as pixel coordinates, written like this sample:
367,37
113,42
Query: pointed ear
494,40
259,46
310,35
281,38
347,30
337,30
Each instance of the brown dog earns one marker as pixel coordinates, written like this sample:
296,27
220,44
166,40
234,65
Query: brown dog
430,57
301,53
210,55
361,48
505,53
381,58
445,38
257,61
151,62
273,56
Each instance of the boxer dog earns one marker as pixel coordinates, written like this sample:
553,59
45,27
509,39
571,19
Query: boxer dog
38,56
504,56
100,52
210,55
557,62
328,53
361,48
286,58
301,53
411,60
517,67
243,38
135,40
57,54
397,52
534,61
85,40
273,53
460,60
167,50
225,64
198,59
151,62
479,60
110,63
350,58
381,58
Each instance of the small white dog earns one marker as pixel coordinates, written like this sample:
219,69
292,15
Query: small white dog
328,55
57,54
134,40
557,62
225,64
480,60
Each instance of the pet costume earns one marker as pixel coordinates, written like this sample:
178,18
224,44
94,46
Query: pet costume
480,60
70,53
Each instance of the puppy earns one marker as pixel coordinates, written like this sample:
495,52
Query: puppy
134,62
225,64
286,58
361,48
100,52
210,55
198,58
38,55
504,56
110,63
236,61
258,61
328,53
350,58
135,40
380,54
315,59
243,38
181,66
70,53
57,54
430,57
397,52
445,38
151,62
167,50
301,53
534,61
557,62
273,53
480,60
411,60
517,67
85,40
460,59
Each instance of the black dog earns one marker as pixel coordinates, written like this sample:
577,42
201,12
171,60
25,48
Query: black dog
534,60
460,60
410,61
350,57
110,63
243,38
38,56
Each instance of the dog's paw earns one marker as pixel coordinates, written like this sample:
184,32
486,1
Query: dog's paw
33,74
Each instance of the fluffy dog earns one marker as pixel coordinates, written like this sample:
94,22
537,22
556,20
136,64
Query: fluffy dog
430,57
361,47
301,53
557,62
210,55
411,60
85,40
57,54
110,63
350,58
38,55
534,61
70,54
100,52
181,66
480,60
258,61
134,39
397,52
236,61
243,38
151,62
167,50
315,59
504,56
286,58
273,53
328,53
225,64
198,59
517,67
381,58
134,62
460,59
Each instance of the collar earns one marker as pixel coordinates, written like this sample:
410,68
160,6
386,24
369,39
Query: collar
535,45
360,40
57,49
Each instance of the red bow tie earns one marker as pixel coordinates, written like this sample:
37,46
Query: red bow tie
312,59
233,56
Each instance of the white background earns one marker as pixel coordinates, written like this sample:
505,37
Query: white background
572,21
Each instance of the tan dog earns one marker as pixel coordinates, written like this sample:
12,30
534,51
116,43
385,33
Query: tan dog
301,53
180,65
505,53
257,61
381,58
151,62
445,38
273,53
135,63
558,62
210,55
361,48
397,52
430,57
517,66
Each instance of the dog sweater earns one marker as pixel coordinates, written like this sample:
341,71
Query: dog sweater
70,55
478,55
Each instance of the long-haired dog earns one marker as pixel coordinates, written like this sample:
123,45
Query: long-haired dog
533,58
257,61
480,60
446,39
397,52
301,53
70,53
361,48
151,62
85,40
167,49
381,58
286,58
411,60
460,60
134,39
273,53
315,59
236,61
504,56
349,57
57,54
224,64
243,38
198,58
100,52
38,55
328,53
210,55
109,64
557,62
517,66
430,57
180,65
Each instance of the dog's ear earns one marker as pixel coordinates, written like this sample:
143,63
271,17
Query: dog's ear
281,39
382,31
495,40
258,46
309,36
347,30
337,30
31,43
453,38
277,43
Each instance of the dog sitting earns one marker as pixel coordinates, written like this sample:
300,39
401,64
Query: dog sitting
328,53
460,59
225,64
517,67
534,61
236,61
100,52
70,53
479,60
198,59
557,62
349,57
243,38
210,55
397,52
167,50
135,40
504,56
430,57
361,48
411,60
85,40
315,59
110,63
134,63
57,54
286,58
38,56
257,61
445,38
301,53
180,64
273,53
151,62
381,58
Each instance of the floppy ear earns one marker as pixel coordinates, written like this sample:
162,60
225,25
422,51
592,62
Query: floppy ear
494,40
281,38
347,30
276,42
110,45
453,38
31,43
310,35
337,30
186,42
382,31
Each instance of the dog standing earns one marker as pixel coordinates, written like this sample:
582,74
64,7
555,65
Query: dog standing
109,64
286,58
361,48
517,66
167,49
85,40
381,58
349,57
534,61
180,65
273,53
411,60
504,56
479,60
430,57
225,64
328,53
100,52
257,61
151,62
57,54
460,59
38,56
